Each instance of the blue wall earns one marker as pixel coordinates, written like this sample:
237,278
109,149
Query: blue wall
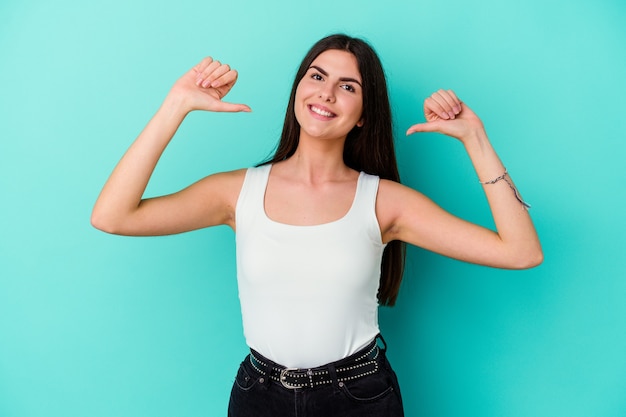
97,325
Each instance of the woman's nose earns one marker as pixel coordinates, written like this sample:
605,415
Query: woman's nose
326,93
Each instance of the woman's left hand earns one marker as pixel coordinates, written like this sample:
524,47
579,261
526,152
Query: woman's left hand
448,115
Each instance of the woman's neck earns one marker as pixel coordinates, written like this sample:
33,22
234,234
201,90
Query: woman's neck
317,161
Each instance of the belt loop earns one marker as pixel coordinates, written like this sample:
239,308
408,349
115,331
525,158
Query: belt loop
382,339
332,373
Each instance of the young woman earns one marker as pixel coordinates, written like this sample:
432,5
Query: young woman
320,227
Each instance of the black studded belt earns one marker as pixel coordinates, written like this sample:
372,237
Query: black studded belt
364,363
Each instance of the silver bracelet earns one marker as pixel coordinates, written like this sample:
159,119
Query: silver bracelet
503,177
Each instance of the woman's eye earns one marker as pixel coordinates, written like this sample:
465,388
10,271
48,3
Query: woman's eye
316,77
348,87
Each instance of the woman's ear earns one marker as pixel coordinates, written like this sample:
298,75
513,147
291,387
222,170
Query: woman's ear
359,123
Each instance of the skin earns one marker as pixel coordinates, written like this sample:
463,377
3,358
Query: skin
314,186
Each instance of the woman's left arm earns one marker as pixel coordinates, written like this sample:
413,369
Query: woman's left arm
407,215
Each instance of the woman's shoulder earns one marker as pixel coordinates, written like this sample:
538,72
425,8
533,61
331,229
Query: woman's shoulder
391,186
229,182
393,202
393,196
234,175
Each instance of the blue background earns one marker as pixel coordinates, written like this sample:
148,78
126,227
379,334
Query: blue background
98,325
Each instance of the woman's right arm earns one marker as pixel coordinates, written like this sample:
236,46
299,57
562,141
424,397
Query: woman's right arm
121,209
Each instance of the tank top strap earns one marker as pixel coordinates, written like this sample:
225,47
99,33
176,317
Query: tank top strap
367,191
250,202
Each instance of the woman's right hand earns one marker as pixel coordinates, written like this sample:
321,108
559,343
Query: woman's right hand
205,85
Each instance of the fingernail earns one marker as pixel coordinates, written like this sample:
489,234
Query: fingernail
451,115
444,115
215,83
457,109
205,83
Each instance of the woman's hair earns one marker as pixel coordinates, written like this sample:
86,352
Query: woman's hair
368,148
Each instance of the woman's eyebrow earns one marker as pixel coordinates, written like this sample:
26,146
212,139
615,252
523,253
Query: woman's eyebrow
325,74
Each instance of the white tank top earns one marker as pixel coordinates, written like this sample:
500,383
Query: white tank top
308,293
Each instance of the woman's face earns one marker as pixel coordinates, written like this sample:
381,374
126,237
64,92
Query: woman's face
329,98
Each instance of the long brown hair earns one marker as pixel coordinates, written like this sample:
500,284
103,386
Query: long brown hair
369,148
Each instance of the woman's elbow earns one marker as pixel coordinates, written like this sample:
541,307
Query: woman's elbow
103,223
529,259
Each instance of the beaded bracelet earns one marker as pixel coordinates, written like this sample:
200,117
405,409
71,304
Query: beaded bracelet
503,177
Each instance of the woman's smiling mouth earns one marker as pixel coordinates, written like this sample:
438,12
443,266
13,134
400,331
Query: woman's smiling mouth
321,111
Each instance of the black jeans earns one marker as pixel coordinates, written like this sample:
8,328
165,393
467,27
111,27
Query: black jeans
255,395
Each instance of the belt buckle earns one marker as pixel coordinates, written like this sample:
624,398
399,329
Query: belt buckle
283,378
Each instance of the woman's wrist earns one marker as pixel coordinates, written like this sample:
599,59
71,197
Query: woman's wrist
476,139
175,106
